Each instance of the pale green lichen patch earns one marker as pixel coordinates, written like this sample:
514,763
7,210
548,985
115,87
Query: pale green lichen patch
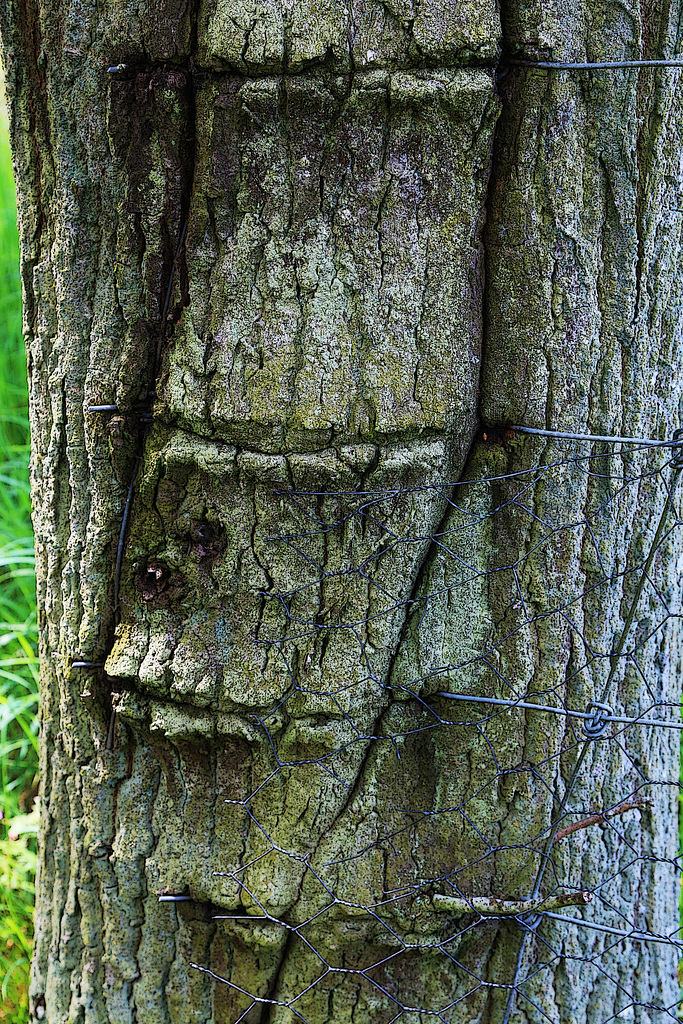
200,663
333,246
199,600
259,36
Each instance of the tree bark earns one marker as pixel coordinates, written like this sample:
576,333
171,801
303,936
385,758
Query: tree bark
339,251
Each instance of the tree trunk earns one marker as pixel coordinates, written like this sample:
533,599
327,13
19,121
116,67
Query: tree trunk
338,252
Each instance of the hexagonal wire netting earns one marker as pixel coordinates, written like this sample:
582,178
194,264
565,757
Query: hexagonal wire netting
503,768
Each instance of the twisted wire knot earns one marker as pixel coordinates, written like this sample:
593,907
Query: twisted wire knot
595,726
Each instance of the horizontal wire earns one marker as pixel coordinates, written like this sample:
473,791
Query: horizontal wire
611,438
619,719
639,936
673,62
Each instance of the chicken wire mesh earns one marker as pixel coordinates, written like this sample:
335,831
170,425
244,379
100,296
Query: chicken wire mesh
487,830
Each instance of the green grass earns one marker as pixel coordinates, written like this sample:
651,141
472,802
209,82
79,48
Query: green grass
18,664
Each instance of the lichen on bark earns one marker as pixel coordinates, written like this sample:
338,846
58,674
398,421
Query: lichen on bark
379,252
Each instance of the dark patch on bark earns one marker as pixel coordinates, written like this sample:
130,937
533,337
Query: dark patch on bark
158,585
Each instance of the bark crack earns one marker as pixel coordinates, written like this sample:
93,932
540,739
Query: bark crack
173,277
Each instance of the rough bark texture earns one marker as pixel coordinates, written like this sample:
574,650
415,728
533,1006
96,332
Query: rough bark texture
381,250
